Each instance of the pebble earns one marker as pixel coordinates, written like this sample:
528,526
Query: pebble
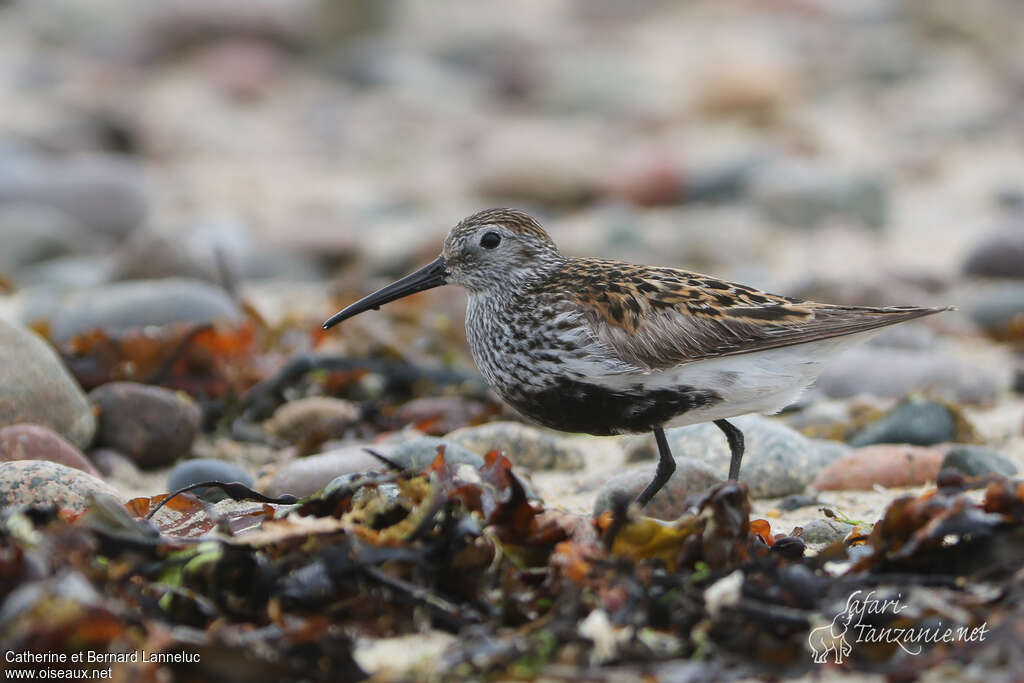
999,309
124,306
244,69
71,272
797,501
32,234
822,417
34,442
114,466
1000,253
312,420
39,483
911,335
659,182
976,461
229,240
418,454
305,476
691,477
390,492
825,531
778,460
36,388
523,445
105,194
888,465
206,469
829,451
437,415
540,164
149,255
751,82
151,425
805,195
895,372
587,82
917,422
203,250
176,26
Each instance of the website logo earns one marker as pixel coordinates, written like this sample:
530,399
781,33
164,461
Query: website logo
858,622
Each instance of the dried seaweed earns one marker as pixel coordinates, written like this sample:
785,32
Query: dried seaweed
277,592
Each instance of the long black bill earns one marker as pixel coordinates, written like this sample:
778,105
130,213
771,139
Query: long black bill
429,276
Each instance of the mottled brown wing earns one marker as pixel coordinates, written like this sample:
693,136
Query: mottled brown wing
656,318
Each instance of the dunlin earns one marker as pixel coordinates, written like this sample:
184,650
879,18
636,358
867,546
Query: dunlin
604,347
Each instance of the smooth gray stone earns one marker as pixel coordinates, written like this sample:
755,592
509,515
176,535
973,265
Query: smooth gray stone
123,306
206,469
523,445
151,425
825,531
691,477
919,423
976,461
35,387
778,460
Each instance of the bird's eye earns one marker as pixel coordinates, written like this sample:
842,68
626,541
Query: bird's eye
490,240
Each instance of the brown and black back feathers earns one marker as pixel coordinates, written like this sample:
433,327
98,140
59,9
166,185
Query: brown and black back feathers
654,318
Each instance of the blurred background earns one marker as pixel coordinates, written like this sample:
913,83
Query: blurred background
189,188
305,152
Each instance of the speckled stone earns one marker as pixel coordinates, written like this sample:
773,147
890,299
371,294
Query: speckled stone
34,442
316,418
418,454
691,477
40,483
36,388
525,446
778,460
825,531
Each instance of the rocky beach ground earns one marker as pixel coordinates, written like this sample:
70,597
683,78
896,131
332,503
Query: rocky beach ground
188,189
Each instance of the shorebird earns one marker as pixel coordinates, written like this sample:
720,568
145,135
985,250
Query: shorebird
605,347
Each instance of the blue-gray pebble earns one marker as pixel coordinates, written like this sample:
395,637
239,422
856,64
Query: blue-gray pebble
418,454
206,469
920,423
976,461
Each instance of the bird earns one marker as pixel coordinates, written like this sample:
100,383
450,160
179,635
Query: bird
605,347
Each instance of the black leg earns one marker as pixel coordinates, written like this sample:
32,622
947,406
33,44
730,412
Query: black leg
735,438
666,466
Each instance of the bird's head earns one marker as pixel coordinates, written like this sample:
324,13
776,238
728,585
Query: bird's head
495,250
492,251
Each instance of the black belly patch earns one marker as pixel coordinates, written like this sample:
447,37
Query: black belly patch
573,406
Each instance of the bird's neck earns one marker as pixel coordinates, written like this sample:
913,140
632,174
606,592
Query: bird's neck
518,282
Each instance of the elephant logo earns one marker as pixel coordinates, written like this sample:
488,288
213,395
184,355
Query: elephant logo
859,616
831,638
